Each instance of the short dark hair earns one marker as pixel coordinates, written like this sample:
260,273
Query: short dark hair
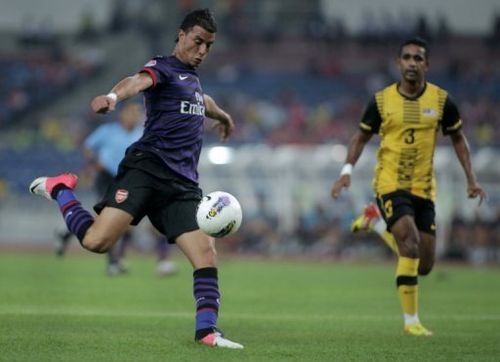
200,17
418,42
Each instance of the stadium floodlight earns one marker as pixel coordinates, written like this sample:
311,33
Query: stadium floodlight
220,155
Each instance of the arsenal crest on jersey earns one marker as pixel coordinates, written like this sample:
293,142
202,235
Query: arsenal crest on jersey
121,195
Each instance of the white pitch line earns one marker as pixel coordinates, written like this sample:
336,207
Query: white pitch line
34,311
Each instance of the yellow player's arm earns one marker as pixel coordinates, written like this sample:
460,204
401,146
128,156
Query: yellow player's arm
462,151
354,151
356,146
224,123
126,88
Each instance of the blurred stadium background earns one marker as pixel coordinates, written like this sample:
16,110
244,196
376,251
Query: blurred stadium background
294,74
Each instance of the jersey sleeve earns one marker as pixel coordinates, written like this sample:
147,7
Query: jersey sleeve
156,70
451,121
371,120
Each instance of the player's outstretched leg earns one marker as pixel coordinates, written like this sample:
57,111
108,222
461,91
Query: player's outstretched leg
45,186
371,219
60,188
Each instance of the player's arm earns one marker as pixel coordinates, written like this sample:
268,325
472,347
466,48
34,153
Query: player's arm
224,123
462,151
354,151
369,125
451,125
126,88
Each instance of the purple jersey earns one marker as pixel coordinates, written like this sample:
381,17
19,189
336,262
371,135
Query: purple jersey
175,112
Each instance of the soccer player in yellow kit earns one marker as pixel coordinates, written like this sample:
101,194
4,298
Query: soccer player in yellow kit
407,116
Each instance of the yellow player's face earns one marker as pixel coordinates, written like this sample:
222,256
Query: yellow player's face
413,63
193,45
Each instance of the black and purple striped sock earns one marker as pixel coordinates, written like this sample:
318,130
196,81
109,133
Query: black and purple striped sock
77,219
206,294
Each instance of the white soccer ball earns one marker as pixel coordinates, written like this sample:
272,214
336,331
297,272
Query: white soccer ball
219,214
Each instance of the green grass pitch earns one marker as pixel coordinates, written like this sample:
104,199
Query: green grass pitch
68,310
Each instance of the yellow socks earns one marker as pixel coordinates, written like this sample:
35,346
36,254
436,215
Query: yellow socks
407,283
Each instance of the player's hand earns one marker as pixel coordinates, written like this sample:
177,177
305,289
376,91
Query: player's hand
343,181
224,127
475,190
103,104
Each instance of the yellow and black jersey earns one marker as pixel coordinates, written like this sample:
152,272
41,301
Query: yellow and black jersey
408,132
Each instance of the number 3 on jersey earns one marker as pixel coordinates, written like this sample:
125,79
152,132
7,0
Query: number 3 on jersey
410,136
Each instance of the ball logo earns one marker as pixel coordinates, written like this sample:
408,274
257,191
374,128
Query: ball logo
121,195
221,202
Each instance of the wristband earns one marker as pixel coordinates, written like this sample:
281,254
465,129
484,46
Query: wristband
346,170
112,95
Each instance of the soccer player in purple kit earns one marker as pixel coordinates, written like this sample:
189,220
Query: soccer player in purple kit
158,176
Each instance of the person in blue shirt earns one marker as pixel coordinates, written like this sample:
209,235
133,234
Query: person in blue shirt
158,176
106,145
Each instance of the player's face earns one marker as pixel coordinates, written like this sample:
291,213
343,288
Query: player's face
413,63
193,46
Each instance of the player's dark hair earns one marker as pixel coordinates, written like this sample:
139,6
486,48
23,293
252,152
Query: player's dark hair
418,42
201,17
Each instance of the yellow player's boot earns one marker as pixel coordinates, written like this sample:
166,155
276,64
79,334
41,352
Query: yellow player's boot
417,329
364,221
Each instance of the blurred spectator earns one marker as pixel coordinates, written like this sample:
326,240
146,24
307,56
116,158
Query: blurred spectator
32,79
88,30
151,24
36,32
459,239
235,20
422,28
443,29
480,250
494,37
474,240
313,225
118,19
260,231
